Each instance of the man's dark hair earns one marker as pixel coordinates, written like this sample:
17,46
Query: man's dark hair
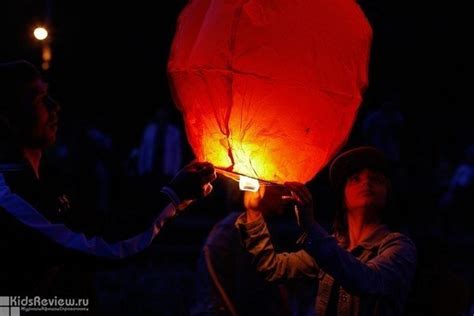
16,79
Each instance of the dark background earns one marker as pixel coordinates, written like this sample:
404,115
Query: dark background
108,71
109,61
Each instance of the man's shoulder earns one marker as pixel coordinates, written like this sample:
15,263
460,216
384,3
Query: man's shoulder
16,177
7,167
228,221
12,176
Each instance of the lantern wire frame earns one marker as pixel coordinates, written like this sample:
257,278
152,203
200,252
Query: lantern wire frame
288,194
238,176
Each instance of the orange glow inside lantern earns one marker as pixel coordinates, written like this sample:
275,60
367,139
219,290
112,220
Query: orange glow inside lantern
269,89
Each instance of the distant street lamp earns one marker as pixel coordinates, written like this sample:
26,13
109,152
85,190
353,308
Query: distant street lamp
40,33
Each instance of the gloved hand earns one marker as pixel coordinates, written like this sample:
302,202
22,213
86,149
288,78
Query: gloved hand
303,204
193,181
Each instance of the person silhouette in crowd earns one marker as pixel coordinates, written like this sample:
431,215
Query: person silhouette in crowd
45,252
227,281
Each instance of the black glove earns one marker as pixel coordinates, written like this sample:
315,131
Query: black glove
193,181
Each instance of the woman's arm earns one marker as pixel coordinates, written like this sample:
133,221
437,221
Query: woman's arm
274,266
390,272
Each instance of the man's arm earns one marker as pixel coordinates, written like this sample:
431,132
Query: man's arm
190,183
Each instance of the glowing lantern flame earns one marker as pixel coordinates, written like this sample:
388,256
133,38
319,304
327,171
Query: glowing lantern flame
248,184
269,88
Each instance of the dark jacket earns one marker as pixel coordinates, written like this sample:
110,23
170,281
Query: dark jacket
45,251
374,278
245,287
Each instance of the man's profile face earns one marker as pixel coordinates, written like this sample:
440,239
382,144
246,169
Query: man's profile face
44,116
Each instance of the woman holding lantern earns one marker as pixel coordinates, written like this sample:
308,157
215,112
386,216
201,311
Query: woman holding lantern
270,90
364,268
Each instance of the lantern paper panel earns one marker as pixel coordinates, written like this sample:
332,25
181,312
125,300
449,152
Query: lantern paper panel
269,88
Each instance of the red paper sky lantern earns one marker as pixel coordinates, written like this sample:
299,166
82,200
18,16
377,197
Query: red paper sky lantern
269,88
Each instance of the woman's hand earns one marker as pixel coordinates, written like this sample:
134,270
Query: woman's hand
303,204
252,203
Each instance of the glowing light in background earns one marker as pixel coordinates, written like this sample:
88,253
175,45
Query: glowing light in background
40,33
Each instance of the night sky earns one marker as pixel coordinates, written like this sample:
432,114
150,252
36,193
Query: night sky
109,60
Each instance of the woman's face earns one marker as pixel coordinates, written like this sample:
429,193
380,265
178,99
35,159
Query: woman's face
366,189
